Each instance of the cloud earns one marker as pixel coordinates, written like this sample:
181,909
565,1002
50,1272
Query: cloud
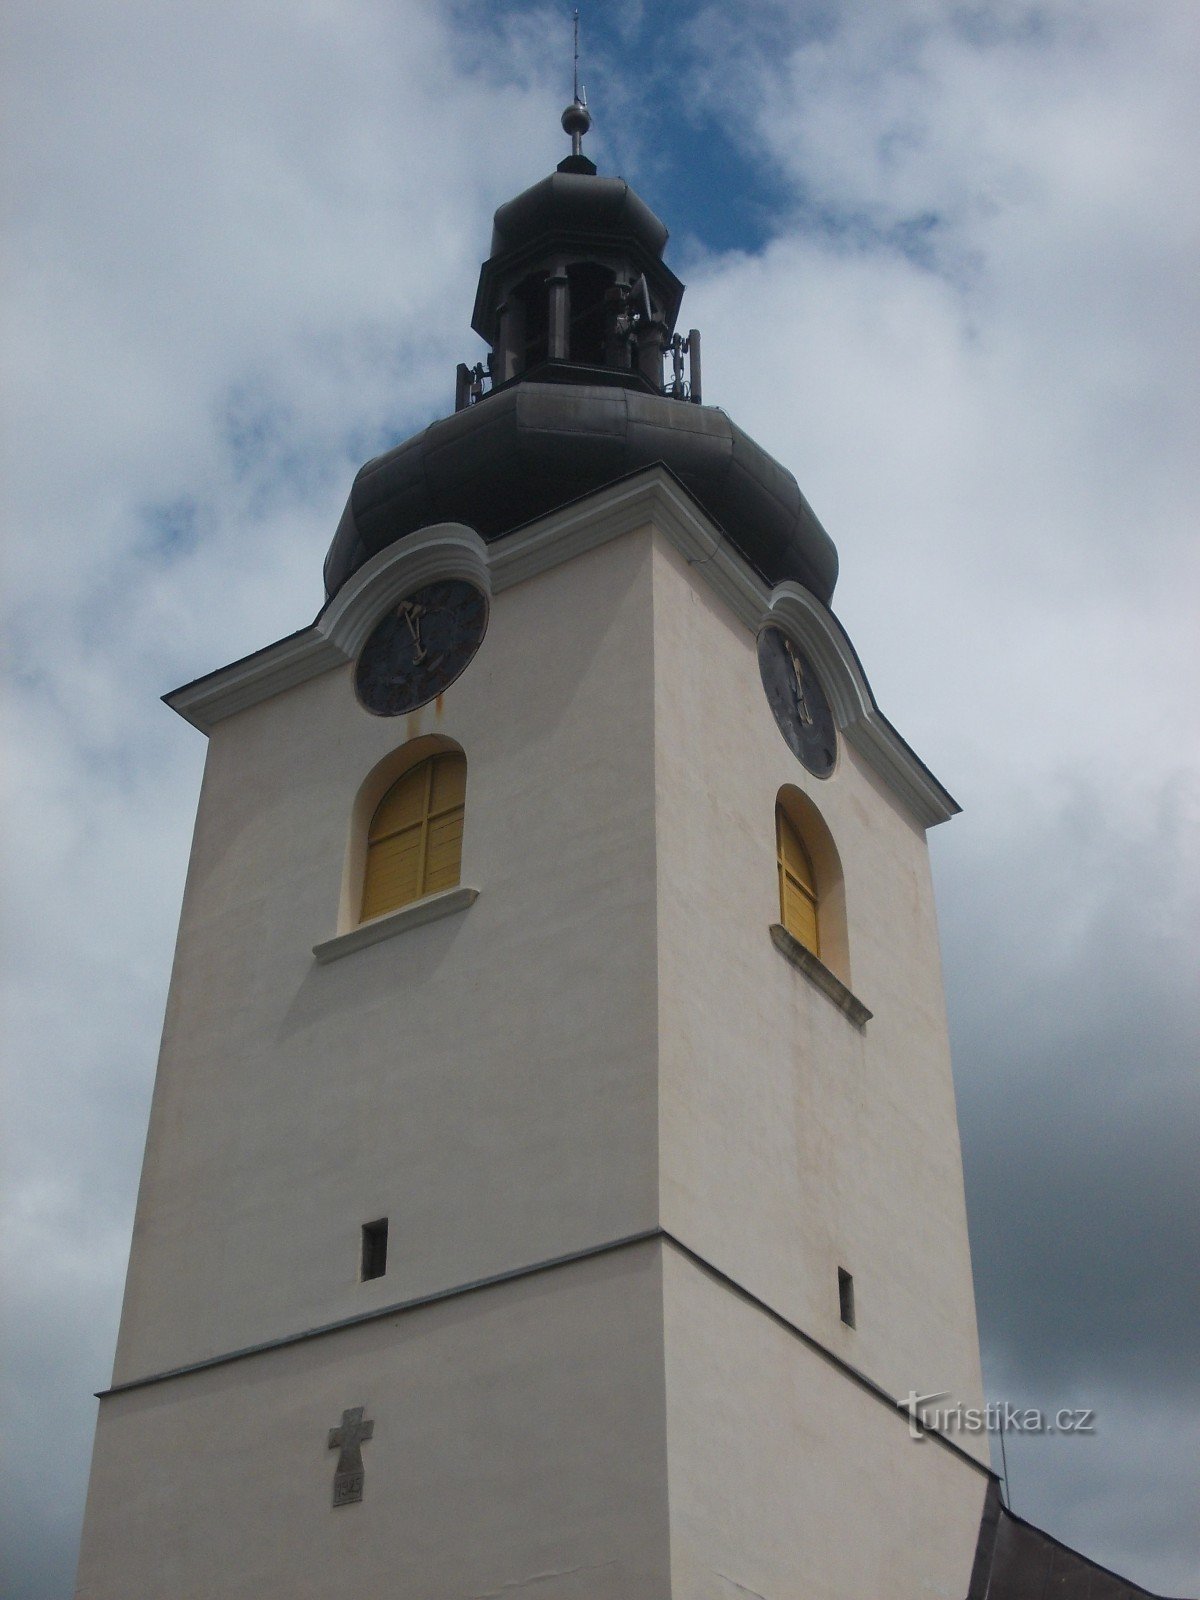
240,251
1076,1052
965,337
242,254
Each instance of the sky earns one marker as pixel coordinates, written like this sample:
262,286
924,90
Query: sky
943,255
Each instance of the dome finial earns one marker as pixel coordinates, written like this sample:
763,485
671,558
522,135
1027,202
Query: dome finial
577,119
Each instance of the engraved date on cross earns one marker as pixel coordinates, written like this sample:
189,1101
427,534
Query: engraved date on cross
348,1441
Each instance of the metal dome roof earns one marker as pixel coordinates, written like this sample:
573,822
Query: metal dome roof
534,446
576,397
577,203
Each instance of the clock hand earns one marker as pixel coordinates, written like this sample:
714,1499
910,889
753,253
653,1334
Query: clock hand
412,615
802,709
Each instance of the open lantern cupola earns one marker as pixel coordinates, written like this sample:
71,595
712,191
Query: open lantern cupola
579,312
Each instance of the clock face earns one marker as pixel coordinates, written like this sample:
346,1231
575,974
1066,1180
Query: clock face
420,647
797,701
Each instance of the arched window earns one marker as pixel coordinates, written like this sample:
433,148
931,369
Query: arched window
589,283
811,931
534,298
414,840
798,903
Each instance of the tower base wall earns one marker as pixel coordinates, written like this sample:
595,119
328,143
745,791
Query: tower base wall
788,1478
624,1425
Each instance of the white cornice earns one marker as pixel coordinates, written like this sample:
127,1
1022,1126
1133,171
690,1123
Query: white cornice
448,550
655,496
823,639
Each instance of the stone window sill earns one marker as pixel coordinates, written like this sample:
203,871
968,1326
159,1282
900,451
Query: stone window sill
815,970
431,909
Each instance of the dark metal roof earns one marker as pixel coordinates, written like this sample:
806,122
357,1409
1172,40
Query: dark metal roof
1016,1561
577,203
533,446
580,214
551,430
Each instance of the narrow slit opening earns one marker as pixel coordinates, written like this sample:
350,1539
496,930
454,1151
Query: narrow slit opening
374,1249
846,1296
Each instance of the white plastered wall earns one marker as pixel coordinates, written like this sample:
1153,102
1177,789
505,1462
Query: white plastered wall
519,1446
792,1142
788,1480
604,1042
488,1081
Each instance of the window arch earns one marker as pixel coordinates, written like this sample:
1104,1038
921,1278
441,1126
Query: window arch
812,898
414,837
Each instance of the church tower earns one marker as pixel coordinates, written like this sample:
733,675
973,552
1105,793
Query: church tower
553,1182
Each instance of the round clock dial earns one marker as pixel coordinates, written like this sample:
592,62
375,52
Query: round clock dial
797,701
420,647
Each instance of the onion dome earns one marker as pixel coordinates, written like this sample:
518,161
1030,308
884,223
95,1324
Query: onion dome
578,310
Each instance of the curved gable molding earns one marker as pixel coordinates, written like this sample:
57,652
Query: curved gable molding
446,550
652,497
816,631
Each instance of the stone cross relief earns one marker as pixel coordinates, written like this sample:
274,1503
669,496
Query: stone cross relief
348,1441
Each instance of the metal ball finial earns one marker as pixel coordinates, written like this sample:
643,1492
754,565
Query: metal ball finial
576,120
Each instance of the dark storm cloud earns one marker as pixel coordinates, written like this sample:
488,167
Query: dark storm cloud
1075,1050
1073,1008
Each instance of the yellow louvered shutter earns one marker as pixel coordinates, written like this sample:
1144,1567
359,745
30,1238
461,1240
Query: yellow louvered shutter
393,874
797,884
443,849
403,806
448,785
414,843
